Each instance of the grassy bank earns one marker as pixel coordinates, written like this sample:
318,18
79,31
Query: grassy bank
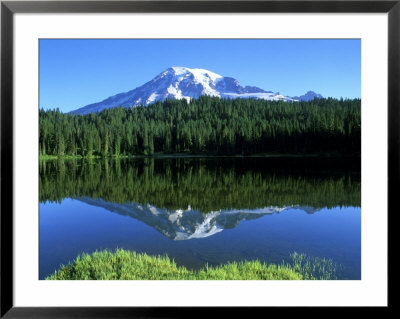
128,265
189,155
66,157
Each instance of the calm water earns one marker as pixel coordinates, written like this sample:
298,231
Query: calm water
201,211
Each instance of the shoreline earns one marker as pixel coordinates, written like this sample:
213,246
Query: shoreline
183,155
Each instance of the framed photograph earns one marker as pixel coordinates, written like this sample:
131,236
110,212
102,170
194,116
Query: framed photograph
158,156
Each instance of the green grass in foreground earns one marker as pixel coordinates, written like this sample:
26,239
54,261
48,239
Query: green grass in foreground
129,265
314,268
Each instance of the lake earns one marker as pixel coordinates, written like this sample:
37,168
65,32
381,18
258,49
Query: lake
202,211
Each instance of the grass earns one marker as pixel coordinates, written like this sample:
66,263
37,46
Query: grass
313,268
66,157
129,265
192,155
54,157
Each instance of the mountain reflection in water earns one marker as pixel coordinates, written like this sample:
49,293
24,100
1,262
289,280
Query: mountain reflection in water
231,209
187,223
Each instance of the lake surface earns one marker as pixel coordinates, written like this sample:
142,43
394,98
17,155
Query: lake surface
202,210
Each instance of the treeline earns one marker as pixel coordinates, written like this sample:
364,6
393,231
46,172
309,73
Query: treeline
208,125
207,185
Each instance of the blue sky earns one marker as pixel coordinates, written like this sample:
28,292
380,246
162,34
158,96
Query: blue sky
74,73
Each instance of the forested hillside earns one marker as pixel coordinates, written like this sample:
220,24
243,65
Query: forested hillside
209,126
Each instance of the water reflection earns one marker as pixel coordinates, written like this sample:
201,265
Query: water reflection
200,211
187,223
205,184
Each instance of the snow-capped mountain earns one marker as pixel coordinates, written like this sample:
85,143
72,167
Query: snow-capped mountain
182,224
184,83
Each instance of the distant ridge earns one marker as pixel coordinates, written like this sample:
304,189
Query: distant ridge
310,95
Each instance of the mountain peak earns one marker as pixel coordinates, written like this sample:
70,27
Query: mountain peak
180,70
178,82
198,75
310,95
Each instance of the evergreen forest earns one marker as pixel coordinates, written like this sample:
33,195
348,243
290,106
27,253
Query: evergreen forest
206,126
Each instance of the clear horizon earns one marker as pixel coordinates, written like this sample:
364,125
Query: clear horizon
75,73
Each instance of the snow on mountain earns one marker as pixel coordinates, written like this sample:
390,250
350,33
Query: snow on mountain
184,83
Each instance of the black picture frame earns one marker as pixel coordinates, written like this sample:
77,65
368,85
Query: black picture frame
9,8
